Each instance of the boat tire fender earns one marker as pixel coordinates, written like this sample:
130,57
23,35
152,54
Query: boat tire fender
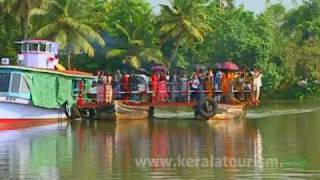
208,108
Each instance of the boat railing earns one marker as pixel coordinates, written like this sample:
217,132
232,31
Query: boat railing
164,92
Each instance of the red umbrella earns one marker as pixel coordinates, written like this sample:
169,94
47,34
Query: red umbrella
230,66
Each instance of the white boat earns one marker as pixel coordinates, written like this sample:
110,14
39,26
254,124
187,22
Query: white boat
16,111
37,89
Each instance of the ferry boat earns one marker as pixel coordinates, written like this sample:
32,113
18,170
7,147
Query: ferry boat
39,88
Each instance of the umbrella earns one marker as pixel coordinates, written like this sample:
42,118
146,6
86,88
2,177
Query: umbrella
219,66
230,66
179,70
158,68
142,71
198,67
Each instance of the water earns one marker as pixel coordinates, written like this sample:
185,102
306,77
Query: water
286,132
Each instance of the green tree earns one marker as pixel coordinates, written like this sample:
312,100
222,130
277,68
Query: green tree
239,36
136,45
183,21
135,50
9,33
274,76
65,22
23,10
135,31
304,22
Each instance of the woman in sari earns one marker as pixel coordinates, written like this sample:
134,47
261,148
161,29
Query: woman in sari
162,88
208,85
226,86
154,84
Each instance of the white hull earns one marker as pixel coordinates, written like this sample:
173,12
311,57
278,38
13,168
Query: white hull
12,111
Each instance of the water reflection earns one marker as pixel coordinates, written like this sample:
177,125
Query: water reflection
107,150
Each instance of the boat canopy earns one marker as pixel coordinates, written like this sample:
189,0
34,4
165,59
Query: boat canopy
50,90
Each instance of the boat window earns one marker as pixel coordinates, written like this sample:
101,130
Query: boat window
24,88
15,83
4,82
49,48
33,46
24,47
75,84
43,47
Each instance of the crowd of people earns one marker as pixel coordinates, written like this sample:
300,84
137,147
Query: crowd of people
161,86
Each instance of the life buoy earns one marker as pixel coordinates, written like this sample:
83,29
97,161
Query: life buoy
208,108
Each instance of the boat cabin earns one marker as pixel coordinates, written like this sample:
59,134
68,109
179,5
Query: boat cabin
38,54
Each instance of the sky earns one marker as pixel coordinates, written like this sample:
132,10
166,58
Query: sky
256,6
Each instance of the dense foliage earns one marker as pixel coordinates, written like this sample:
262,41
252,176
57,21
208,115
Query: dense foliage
110,34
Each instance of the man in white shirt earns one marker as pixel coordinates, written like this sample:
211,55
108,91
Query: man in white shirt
257,84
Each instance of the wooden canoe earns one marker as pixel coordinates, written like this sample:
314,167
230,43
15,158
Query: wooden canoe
230,112
123,111
120,110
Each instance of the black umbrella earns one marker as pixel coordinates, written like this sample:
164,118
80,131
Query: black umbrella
142,71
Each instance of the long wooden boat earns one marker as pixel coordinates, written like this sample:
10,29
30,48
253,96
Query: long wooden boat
122,110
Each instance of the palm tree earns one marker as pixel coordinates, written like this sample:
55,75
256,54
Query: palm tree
22,9
183,21
67,25
1,5
138,42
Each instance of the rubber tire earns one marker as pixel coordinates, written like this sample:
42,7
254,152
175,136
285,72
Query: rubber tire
203,110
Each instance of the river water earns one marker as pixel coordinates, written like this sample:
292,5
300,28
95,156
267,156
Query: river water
278,140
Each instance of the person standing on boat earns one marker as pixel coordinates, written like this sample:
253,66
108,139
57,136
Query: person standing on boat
257,84
194,87
117,84
101,88
184,87
162,88
201,93
239,85
217,85
226,86
133,86
173,87
251,87
125,86
211,76
108,89
99,74
154,84
208,85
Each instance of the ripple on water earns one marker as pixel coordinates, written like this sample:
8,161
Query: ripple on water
272,113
